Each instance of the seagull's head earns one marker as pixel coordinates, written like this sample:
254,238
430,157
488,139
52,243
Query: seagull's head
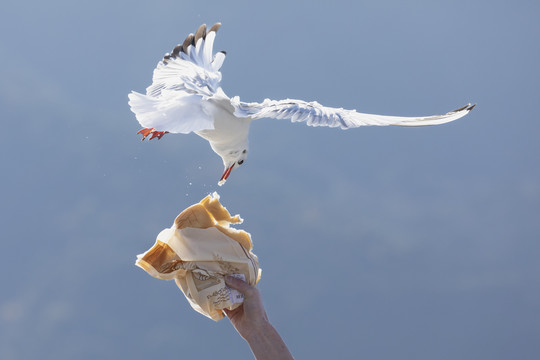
232,160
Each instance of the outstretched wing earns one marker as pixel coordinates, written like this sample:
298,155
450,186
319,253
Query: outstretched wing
314,114
182,82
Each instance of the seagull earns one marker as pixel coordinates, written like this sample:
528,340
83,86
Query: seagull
185,96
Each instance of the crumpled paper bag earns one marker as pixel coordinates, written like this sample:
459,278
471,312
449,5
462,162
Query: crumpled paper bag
198,251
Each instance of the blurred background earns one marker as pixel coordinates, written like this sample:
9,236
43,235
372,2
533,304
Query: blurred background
377,243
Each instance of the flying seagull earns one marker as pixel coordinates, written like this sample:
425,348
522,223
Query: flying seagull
185,96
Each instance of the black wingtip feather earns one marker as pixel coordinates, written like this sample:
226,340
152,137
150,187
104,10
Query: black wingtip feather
176,50
187,42
466,107
215,27
201,33
192,39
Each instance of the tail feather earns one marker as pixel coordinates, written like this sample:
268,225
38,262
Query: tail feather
178,114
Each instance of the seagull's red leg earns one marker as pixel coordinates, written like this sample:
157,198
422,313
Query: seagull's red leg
155,134
145,132
161,133
158,134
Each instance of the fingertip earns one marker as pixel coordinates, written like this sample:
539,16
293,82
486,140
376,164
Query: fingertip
235,282
228,280
238,284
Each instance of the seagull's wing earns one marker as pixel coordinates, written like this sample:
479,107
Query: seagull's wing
314,114
181,84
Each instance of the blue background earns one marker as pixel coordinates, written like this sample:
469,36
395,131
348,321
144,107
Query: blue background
377,243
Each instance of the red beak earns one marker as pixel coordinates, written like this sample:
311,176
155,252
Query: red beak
225,175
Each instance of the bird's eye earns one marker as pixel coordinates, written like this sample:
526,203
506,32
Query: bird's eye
245,151
240,162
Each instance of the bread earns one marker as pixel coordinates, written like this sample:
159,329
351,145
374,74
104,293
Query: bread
210,213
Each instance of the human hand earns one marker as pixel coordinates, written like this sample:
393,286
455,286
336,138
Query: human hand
250,317
251,322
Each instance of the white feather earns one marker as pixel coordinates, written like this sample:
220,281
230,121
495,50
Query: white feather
208,48
219,58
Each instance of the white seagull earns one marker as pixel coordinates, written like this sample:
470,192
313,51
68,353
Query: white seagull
185,97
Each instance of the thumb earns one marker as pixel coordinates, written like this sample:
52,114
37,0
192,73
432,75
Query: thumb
238,284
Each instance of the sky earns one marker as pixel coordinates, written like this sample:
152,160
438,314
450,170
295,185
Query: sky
377,242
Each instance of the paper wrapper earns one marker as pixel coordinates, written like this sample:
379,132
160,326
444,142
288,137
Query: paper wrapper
198,251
